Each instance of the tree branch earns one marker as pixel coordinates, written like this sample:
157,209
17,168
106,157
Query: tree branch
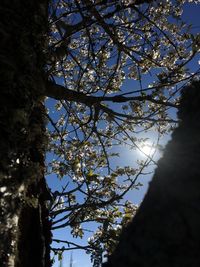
60,92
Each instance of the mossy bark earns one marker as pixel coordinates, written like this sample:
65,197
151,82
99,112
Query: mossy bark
24,230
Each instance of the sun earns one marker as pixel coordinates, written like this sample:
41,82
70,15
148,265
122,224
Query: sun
146,148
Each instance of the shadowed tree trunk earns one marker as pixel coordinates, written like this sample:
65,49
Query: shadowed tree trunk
24,230
165,231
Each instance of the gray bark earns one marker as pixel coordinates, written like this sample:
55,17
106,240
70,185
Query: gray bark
165,231
24,229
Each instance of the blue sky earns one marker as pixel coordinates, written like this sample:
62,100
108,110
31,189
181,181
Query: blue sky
80,259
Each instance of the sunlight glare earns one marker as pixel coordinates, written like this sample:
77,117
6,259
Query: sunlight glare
146,149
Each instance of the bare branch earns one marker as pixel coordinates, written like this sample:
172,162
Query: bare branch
59,92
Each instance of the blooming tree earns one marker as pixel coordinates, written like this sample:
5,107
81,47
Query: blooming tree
95,47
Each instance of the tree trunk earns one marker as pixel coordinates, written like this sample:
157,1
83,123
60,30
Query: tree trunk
165,231
25,230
